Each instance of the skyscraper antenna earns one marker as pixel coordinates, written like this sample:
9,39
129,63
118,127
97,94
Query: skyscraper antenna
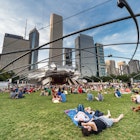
25,29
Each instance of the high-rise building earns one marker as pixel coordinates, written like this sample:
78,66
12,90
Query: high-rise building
68,56
85,53
100,60
56,32
134,66
122,68
34,43
0,61
14,43
110,67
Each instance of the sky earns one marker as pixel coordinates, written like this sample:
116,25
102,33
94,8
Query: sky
77,15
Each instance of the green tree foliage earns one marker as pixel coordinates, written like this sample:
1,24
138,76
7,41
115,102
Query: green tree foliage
123,78
6,75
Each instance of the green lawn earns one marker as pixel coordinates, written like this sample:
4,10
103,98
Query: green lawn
37,118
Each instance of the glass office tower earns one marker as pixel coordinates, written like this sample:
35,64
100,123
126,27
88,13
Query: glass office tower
86,62
34,42
101,68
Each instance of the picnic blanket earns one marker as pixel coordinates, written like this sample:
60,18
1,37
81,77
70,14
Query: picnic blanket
72,112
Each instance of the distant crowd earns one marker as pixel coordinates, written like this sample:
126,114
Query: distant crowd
59,92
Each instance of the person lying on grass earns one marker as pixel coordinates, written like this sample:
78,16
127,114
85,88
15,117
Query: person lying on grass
95,126
83,116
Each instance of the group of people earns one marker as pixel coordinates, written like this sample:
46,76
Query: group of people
94,125
58,95
97,123
134,98
100,122
20,91
90,96
45,91
100,97
17,93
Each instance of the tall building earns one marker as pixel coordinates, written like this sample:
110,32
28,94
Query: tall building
100,60
56,32
122,68
68,56
0,61
14,43
110,67
85,53
134,66
34,43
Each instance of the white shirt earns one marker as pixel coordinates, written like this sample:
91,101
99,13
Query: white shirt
138,98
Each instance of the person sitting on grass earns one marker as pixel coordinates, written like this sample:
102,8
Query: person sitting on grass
117,93
95,126
136,98
55,97
20,94
90,96
43,93
63,97
100,97
13,94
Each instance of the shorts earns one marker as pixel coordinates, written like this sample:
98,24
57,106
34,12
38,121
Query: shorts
108,121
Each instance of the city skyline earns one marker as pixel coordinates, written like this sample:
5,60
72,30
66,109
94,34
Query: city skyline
121,67
94,13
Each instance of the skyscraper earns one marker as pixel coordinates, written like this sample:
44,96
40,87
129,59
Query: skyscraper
34,43
68,56
110,67
56,32
122,67
85,55
11,44
134,66
100,60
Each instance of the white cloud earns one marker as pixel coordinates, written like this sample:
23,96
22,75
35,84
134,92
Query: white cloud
13,15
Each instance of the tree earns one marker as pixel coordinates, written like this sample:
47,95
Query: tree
4,76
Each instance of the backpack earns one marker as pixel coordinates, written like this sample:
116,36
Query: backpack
80,107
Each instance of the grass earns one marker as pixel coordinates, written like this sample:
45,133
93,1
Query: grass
37,118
